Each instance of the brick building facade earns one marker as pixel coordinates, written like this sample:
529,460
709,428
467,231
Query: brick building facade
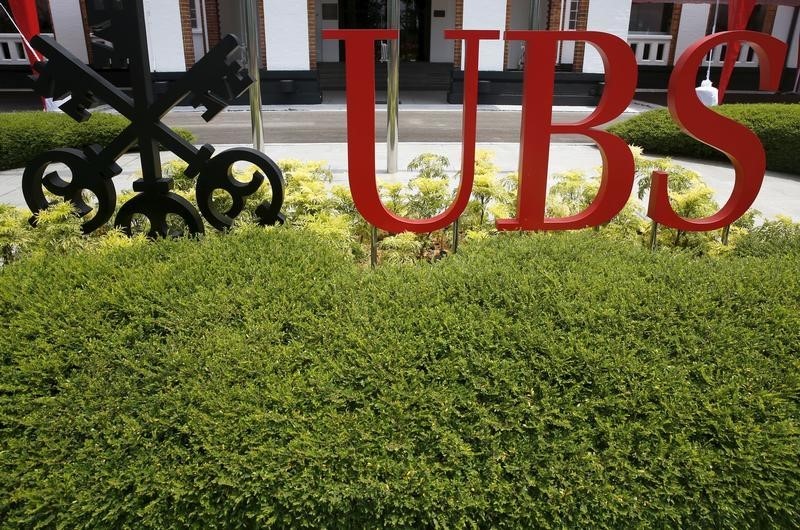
298,65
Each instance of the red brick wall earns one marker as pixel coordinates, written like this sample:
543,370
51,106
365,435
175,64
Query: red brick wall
675,26
85,17
769,19
554,15
312,34
459,25
507,47
580,47
186,30
262,33
212,22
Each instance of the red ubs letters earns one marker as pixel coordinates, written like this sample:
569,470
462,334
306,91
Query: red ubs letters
739,144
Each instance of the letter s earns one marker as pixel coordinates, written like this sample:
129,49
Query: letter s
737,142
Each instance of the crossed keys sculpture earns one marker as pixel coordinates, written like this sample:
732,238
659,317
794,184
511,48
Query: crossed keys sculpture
215,81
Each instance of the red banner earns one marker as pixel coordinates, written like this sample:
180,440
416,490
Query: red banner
27,19
739,14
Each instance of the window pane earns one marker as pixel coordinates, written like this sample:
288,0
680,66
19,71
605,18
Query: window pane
651,18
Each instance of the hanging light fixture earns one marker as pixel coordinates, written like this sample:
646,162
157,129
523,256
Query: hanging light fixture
706,92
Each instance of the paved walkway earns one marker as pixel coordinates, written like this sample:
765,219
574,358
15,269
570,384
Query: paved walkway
780,193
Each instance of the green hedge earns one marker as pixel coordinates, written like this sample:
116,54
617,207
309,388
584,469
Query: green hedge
776,124
25,135
263,380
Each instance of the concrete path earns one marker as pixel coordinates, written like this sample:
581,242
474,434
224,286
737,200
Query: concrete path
780,193
318,124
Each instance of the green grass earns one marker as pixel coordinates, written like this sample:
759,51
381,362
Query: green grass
777,126
25,135
263,379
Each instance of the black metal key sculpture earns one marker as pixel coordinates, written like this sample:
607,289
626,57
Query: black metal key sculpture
216,80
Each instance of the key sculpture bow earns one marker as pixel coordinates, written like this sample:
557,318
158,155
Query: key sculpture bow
213,83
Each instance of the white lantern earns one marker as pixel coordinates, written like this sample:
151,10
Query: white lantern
708,94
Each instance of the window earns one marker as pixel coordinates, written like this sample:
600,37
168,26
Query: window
193,15
651,17
572,21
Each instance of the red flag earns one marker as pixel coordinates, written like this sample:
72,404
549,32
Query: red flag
739,12
27,18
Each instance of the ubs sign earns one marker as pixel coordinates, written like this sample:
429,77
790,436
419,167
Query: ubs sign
738,143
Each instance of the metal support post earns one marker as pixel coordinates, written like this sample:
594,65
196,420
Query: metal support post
373,246
393,88
654,236
726,235
456,235
250,30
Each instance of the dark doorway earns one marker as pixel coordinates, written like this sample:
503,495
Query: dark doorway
415,30
415,25
107,35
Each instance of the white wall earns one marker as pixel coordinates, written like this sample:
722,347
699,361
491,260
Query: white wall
287,34
609,16
68,27
783,22
694,23
487,14
164,35
442,50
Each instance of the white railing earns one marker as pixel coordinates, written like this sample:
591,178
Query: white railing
651,49
747,56
12,50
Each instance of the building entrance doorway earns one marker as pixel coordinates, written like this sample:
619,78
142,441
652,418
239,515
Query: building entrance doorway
415,25
426,57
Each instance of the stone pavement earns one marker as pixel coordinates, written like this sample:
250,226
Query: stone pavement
780,193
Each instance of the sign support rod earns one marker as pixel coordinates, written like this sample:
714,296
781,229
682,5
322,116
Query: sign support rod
393,88
373,246
654,237
250,30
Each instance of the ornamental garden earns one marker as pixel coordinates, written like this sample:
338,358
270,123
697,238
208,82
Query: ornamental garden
188,366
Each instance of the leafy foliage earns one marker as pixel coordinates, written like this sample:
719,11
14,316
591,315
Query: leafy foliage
261,379
775,124
772,237
26,135
691,198
315,203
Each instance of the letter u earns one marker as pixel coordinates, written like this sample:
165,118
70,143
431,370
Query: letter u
360,79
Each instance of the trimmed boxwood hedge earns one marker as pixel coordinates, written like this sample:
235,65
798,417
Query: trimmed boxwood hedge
262,379
25,135
777,125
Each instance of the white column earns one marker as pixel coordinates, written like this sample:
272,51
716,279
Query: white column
608,16
783,22
487,14
68,27
287,35
164,35
693,27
